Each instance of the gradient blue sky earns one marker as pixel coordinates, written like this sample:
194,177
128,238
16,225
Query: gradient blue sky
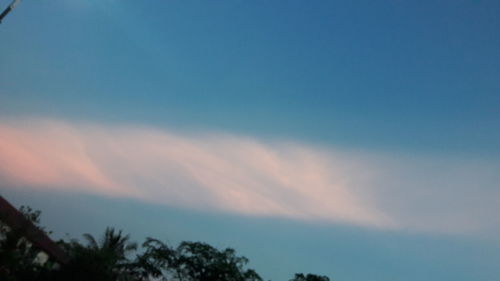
396,102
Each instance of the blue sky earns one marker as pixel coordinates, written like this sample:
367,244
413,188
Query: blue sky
356,139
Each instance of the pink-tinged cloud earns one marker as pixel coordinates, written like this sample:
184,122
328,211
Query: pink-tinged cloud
240,175
205,171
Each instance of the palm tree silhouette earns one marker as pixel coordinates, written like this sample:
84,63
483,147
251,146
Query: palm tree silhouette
101,260
114,245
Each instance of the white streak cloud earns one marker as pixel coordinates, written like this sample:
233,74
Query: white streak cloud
207,171
240,175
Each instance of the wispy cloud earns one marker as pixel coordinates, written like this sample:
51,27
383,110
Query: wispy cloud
241,175
206,171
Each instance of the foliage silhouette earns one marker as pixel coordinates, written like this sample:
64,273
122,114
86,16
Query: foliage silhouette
106,260
18,259
115,258
309,277
194,261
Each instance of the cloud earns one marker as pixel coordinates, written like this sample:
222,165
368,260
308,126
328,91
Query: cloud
206,171
221,172
445,194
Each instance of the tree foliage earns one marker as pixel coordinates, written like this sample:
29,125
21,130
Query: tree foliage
194,261
106,260
18,259
114,257
309,277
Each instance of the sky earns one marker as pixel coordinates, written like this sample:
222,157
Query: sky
354,139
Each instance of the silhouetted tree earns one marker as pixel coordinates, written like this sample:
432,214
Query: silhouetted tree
309,277
106,261
18,259
113,258
194,261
